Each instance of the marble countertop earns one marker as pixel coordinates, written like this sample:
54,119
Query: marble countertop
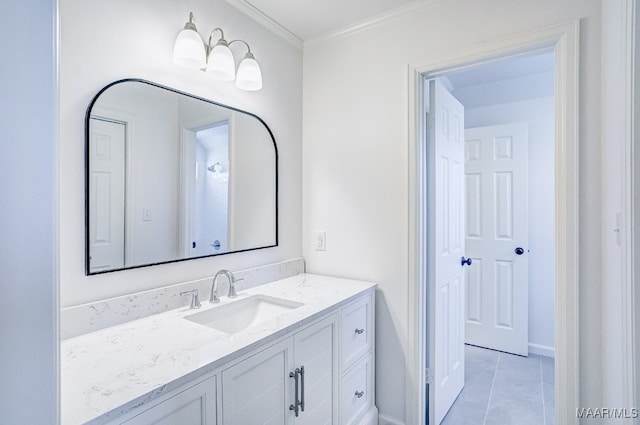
105,374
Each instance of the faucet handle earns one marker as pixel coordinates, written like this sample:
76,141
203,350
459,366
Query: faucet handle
232,287
195,299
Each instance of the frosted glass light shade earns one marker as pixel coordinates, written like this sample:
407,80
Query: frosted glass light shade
188,51
249,74
221,64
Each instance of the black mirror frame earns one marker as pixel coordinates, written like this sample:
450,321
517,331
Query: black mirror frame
87,176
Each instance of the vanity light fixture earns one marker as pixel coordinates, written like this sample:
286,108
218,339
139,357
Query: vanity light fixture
190,51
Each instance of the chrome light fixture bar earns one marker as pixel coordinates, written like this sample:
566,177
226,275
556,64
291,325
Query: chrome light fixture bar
190,51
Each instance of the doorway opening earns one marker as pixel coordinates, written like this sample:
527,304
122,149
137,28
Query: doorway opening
491,204
204,169
422,369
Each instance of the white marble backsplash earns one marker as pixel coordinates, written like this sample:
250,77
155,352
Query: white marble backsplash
85,318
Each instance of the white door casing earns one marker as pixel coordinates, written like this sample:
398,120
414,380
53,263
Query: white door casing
446,225
107,188
564,39
496,172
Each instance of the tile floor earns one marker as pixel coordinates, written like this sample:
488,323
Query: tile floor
504,389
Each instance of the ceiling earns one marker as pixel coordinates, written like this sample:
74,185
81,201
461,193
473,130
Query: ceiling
308,19
516,67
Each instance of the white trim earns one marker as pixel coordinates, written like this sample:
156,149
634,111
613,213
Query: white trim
618,356
564,40
631,397
542,350
368,22
635,199
259,16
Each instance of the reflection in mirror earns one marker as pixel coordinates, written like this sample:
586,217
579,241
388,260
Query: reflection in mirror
171,177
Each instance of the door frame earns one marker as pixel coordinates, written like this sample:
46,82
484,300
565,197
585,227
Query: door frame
563,40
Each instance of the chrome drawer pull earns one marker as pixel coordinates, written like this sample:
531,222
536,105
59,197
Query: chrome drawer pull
359,394
296,403
359,331
301,388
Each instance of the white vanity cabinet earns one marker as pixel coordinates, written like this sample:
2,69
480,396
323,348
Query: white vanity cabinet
192,405
290,382
319,372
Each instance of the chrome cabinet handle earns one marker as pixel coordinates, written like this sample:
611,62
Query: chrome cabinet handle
294,406
359,394
466,261
302,388
359,331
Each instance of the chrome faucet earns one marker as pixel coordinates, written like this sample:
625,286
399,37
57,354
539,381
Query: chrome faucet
214,298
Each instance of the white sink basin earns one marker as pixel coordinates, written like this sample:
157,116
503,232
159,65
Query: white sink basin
244,313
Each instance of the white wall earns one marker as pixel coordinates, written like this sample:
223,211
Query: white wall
105,41
28,210
252,185
539,115
355,159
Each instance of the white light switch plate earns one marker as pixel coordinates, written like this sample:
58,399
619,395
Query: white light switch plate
321,241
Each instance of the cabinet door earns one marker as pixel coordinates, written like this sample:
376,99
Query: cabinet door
194,406
257,390
315,349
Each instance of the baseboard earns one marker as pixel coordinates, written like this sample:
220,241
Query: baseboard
388,420
542,350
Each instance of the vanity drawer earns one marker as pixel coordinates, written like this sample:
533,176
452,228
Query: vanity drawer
357,330
357,392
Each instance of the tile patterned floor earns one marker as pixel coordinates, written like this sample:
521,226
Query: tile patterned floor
504,389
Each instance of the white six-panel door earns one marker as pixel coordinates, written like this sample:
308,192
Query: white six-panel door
107,189
496,159
446,225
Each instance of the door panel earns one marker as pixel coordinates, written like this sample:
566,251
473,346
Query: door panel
106,186
496,162
256,390
446,297
193,406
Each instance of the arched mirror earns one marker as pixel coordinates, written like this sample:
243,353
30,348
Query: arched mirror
172,176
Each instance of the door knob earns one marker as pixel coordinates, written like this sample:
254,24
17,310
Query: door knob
519,250
466,261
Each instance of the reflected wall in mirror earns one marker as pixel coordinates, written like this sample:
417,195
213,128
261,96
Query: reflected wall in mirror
171,176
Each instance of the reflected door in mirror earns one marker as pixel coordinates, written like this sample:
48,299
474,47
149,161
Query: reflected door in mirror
107,188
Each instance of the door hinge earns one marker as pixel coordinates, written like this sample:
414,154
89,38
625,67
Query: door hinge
428,376
429,121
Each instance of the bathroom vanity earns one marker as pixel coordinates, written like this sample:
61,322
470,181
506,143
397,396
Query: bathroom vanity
296,351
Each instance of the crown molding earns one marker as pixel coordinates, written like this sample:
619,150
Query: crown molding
368,22
266,21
